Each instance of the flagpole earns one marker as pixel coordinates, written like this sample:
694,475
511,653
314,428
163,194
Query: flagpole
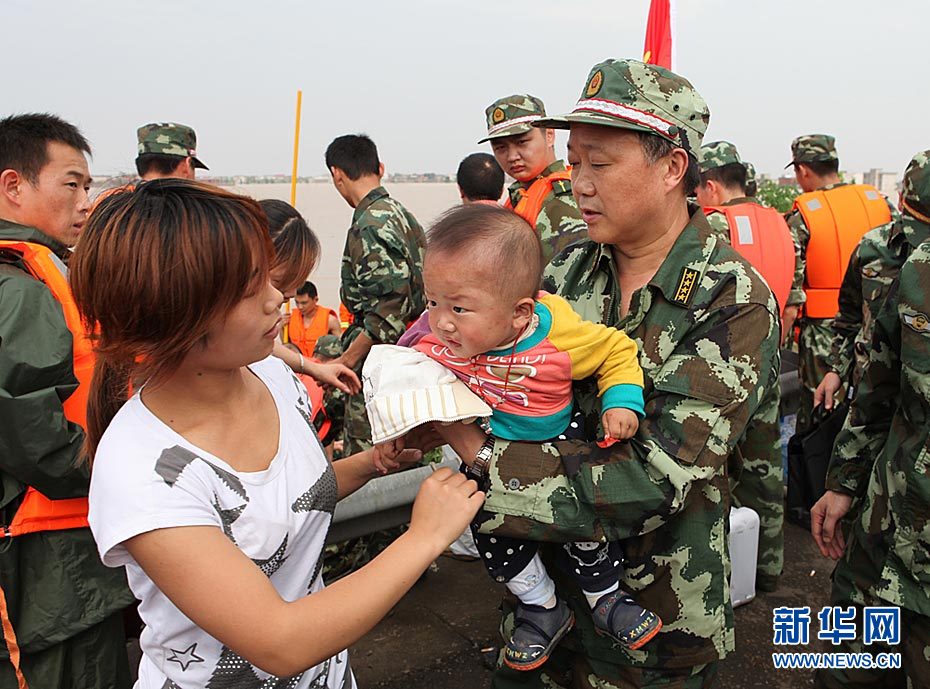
296,150
285,335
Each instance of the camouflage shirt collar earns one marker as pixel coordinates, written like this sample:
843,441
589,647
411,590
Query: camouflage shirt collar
910,229
740,200
557,166
365,203
687,254
14,231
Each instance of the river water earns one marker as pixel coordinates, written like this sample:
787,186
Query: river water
330,216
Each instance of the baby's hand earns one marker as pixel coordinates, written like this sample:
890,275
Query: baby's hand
619,423
384,455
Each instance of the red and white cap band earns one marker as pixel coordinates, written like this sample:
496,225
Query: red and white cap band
527,119
614,109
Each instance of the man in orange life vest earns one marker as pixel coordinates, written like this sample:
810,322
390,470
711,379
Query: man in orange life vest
761,236
542,192
61,608
310,321
827,222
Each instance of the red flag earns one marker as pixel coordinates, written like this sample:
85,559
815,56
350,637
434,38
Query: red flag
658,46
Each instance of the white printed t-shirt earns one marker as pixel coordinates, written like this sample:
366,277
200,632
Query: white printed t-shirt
148,477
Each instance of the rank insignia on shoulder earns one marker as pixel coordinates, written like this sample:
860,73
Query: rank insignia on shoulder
562,187
917,322
686,284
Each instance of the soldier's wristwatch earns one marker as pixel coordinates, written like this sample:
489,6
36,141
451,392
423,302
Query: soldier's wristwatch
479,467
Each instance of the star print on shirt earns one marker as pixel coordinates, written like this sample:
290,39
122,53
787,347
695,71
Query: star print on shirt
186,657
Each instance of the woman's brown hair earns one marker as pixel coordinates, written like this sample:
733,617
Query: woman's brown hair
297,249
153,270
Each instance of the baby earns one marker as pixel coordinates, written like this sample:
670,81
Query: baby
520,350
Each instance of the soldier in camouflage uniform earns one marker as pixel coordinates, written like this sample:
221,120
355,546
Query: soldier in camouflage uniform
816,163
167,149
873,268
528,155
880,461
707,330
382,267
760,485
752,185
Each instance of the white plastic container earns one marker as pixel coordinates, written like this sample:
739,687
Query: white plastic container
744,551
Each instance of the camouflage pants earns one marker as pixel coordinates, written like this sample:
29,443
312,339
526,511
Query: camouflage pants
357,431
814,363
853,578
760,485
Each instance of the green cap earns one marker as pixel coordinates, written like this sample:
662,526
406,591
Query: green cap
512,115
915,193
717,154
752,186
645,98
328,346
813,148
169,139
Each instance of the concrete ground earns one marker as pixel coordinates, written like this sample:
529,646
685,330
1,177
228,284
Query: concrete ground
444,632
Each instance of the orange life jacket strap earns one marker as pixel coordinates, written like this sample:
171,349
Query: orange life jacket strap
9,636
532,198
39,513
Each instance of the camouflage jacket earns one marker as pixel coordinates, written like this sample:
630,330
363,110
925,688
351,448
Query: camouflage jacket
801,235
872,269
707,330
559,221
882,451
382,269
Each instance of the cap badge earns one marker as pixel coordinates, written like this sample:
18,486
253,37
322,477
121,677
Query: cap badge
497,116
597,80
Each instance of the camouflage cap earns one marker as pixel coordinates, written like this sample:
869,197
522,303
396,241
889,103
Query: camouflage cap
813,148
915,193
717,154
646,98
328,346
169,139
512,115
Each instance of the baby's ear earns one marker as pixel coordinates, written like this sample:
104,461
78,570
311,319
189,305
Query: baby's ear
523,312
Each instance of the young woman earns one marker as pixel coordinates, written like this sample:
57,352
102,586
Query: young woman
209,484
296,252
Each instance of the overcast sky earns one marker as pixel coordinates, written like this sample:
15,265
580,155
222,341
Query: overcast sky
417,74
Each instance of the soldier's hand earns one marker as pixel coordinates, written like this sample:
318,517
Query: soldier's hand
391,455
826,515
788,316
619,424
826,391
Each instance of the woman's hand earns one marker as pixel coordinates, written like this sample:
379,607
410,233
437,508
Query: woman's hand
446,503
333,374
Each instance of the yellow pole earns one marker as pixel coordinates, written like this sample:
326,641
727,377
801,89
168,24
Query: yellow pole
287,306
296,150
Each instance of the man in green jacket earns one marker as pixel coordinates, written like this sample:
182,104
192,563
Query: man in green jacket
63,604
707,330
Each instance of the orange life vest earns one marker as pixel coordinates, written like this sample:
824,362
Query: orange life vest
317,410
532,198
837,218
305,337
762,237
37,512
345,316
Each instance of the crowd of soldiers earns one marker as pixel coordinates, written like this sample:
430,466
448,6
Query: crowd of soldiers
627,246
